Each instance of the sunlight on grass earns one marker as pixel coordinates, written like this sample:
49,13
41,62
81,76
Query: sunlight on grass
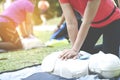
19,59
54,21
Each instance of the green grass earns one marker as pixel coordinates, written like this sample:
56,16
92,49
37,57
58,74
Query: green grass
22,58
54,21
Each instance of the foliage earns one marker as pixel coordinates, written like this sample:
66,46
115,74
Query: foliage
2,1
53,11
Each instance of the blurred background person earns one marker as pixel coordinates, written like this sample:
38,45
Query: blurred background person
43,6
60,32
19,13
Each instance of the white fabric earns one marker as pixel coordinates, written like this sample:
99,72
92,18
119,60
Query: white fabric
68,69
107,65
49,61
71,68
31,42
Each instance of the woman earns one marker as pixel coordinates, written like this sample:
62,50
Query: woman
17,14
104,19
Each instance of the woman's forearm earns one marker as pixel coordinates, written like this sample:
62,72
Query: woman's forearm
81,37
72,32
88,17
70,18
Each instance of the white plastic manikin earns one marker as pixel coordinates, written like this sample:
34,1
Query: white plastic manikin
71,68
107,65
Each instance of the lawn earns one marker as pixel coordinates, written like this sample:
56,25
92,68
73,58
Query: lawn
22,58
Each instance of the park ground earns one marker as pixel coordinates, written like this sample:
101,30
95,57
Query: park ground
14,60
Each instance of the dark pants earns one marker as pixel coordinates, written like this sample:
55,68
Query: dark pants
111,39
62,32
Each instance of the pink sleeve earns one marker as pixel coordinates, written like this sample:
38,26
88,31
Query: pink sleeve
64,1
29,7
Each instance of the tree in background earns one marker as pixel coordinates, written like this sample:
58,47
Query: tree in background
53,11
1,5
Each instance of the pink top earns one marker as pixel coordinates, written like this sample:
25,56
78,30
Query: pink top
105,9
17,11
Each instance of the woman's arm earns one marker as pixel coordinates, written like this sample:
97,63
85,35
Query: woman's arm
71,21
89,14
29,23
78,38
26,27
22,30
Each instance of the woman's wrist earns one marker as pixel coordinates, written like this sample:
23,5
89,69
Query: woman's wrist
75,50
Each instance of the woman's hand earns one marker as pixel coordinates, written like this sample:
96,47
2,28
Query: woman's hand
68,54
